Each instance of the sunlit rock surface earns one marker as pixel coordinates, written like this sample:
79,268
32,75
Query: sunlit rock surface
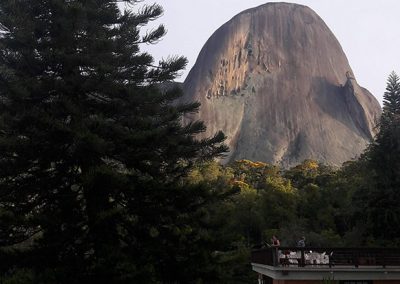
276,81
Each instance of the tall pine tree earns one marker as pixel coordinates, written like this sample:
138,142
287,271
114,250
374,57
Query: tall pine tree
391,98
91,151
383,157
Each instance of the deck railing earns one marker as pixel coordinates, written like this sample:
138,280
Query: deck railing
326,257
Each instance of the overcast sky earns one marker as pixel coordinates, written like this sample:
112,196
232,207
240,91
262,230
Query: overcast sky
368,30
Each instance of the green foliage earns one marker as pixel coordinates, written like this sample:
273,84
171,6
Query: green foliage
269,204
303,173
391,98
93,153
381,196
236,266
21,276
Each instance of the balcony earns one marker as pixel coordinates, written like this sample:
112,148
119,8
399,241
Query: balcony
292,263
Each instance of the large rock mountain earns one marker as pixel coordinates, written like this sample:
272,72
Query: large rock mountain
277,82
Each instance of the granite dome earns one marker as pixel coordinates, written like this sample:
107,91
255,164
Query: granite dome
276,81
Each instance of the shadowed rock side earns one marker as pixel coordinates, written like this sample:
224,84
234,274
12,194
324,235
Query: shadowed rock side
277,82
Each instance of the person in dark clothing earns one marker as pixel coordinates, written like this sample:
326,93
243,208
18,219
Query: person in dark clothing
302,242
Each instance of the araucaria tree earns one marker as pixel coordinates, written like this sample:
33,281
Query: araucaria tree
383,158
91,151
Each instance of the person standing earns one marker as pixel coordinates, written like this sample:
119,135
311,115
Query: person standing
302,242
275,241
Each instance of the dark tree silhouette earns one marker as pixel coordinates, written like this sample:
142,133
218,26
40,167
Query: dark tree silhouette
91,151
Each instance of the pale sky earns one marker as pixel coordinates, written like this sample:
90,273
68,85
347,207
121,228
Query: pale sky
368,30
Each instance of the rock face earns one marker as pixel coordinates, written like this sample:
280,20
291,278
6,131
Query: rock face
276,81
